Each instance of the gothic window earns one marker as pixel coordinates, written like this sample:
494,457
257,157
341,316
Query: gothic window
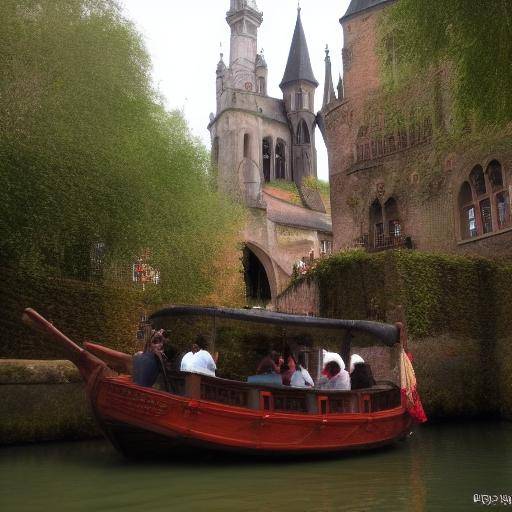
325,247
484,201
468,222
298,100
376,224
267,158
303,133
478,180
392,216
247,146
280,160
499,195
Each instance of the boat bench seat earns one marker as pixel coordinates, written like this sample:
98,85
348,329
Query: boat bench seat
266,379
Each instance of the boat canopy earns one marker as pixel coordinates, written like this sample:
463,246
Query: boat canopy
386,333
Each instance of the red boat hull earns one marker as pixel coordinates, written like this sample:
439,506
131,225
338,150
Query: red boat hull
135,418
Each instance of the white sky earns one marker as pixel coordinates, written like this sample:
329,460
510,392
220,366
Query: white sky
184,37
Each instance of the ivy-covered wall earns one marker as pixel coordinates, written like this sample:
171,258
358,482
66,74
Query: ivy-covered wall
458,316
83,311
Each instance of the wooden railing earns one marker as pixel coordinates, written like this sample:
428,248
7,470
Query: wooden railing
383,396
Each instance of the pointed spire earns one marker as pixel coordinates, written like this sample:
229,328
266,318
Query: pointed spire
341,92
221,66
329,94
298,66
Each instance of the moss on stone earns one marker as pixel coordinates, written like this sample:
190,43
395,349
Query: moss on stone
45,412
458,315
23,371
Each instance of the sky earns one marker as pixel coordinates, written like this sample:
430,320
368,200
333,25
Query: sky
184,40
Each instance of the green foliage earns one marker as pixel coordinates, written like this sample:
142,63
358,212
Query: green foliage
315,184
439,293
88,154
472,39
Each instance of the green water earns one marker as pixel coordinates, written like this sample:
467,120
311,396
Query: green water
440,468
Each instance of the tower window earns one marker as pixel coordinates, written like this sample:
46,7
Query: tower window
247,145
261,85
303,133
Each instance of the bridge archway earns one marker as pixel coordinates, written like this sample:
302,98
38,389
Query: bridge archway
260,281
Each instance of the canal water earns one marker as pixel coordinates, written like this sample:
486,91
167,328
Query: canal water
439,468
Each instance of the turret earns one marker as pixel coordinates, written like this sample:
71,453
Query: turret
244,18
298,86
221,73
261,74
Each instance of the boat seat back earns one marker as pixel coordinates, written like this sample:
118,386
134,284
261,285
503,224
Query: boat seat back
267,379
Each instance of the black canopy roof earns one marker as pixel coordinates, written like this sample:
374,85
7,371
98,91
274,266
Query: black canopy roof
387,334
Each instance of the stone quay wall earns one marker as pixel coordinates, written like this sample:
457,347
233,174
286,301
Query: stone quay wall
43,401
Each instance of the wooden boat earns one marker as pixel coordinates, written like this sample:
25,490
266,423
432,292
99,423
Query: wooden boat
210,413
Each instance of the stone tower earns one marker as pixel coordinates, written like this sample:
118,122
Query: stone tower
257,139
298,86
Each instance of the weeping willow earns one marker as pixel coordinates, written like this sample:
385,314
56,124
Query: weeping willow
473,38
93,169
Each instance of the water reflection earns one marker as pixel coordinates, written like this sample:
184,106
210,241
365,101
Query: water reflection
439,468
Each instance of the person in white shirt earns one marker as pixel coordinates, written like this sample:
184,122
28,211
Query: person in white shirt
337,378
200,360
301,377
186,361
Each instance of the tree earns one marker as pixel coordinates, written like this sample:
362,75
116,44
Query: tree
89,158
473,37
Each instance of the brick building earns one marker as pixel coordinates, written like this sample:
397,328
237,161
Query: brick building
262,145
395,180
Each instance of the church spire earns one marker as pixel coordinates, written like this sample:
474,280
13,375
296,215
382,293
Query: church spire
329,94
298,66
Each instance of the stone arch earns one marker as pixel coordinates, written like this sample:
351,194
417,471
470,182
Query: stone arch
280,164
266,263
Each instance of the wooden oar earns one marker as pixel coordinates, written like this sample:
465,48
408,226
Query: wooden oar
87,363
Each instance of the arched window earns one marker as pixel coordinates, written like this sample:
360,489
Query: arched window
500,199
247,146
376,224
393,220
298,100
467,210
478,182
267,157
484,201
280,167
303,133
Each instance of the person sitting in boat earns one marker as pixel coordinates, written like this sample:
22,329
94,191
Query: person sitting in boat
301,377
271,363
187,359
201,361
337,377
287,370
148,364
361,375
